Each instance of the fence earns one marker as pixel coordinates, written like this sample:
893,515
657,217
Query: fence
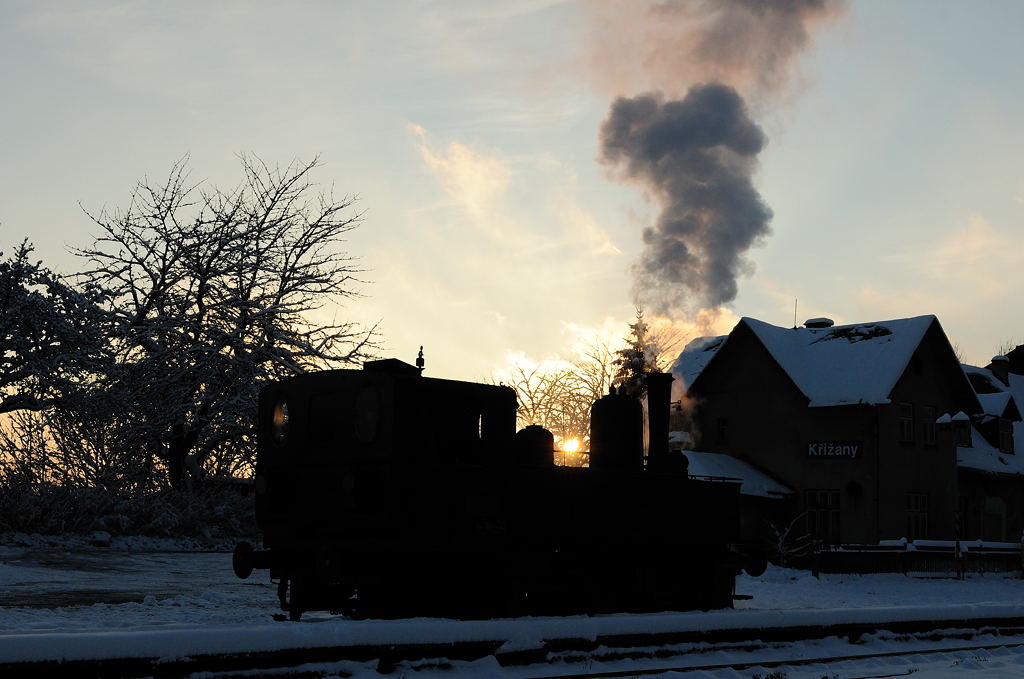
921,557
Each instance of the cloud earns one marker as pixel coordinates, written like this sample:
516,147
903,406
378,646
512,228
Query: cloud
481,185
473,180
979,259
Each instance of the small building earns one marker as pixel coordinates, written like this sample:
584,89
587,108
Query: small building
866,423
991,478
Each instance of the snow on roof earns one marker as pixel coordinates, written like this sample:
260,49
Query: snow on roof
694,357
995,404
680,437
754,482
844,364
1015,388
983,456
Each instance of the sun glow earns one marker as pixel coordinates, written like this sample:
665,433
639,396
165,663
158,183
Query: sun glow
571,446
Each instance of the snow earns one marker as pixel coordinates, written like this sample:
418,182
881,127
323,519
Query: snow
995,404
844,364
1005,401
754,482
983,456
839,365
695,357
73,601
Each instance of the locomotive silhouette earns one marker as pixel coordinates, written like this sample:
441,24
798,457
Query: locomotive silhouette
383,493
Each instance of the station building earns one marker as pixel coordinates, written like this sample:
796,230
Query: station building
876,429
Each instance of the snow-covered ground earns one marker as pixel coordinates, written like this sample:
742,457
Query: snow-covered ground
67,598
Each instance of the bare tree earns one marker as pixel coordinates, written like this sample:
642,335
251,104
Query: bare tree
959,352
1006,346
541,390
665,340
209,293
558,395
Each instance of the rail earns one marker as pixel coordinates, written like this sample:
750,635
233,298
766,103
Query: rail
618,652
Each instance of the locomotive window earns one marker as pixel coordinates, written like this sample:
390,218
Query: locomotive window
280,422
367,414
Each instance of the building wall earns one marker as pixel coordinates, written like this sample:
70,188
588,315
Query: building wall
990,507
747,406
933,380
767,422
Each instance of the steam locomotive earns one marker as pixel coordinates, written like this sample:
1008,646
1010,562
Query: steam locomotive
383,493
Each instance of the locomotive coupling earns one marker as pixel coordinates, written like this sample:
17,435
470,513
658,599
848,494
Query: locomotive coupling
245,559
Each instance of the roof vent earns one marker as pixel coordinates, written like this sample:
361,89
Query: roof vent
819,323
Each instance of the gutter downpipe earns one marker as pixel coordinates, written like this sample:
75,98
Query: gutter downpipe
878,479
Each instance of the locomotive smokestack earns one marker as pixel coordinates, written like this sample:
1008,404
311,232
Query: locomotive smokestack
659,396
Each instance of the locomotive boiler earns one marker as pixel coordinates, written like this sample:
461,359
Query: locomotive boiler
381,492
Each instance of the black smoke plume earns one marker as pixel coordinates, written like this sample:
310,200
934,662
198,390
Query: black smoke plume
696,156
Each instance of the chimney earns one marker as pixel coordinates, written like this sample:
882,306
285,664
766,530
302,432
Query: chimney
1000,367
659,396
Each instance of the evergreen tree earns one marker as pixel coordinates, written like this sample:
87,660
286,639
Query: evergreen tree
637,358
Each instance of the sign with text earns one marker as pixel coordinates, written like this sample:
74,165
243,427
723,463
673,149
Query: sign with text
834,449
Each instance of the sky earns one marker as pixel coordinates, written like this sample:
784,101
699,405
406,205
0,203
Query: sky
503,214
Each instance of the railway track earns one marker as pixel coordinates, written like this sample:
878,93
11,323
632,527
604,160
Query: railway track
826,659
565,657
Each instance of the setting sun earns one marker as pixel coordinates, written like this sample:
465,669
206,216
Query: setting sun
571,446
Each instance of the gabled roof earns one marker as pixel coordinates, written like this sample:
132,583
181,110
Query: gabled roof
694,357
844,364
982,380
997,399
839,365
999,404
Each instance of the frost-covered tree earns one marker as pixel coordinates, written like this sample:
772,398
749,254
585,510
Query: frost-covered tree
209,293
51,333
647,349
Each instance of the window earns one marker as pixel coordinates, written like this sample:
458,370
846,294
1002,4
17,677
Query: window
822,511
906,420
917,516
993,523
722,432
962,430
1005,436
928,425
962,518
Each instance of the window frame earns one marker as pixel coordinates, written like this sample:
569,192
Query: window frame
1006,436
962,433
917,516
905,421
929,429
823,515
